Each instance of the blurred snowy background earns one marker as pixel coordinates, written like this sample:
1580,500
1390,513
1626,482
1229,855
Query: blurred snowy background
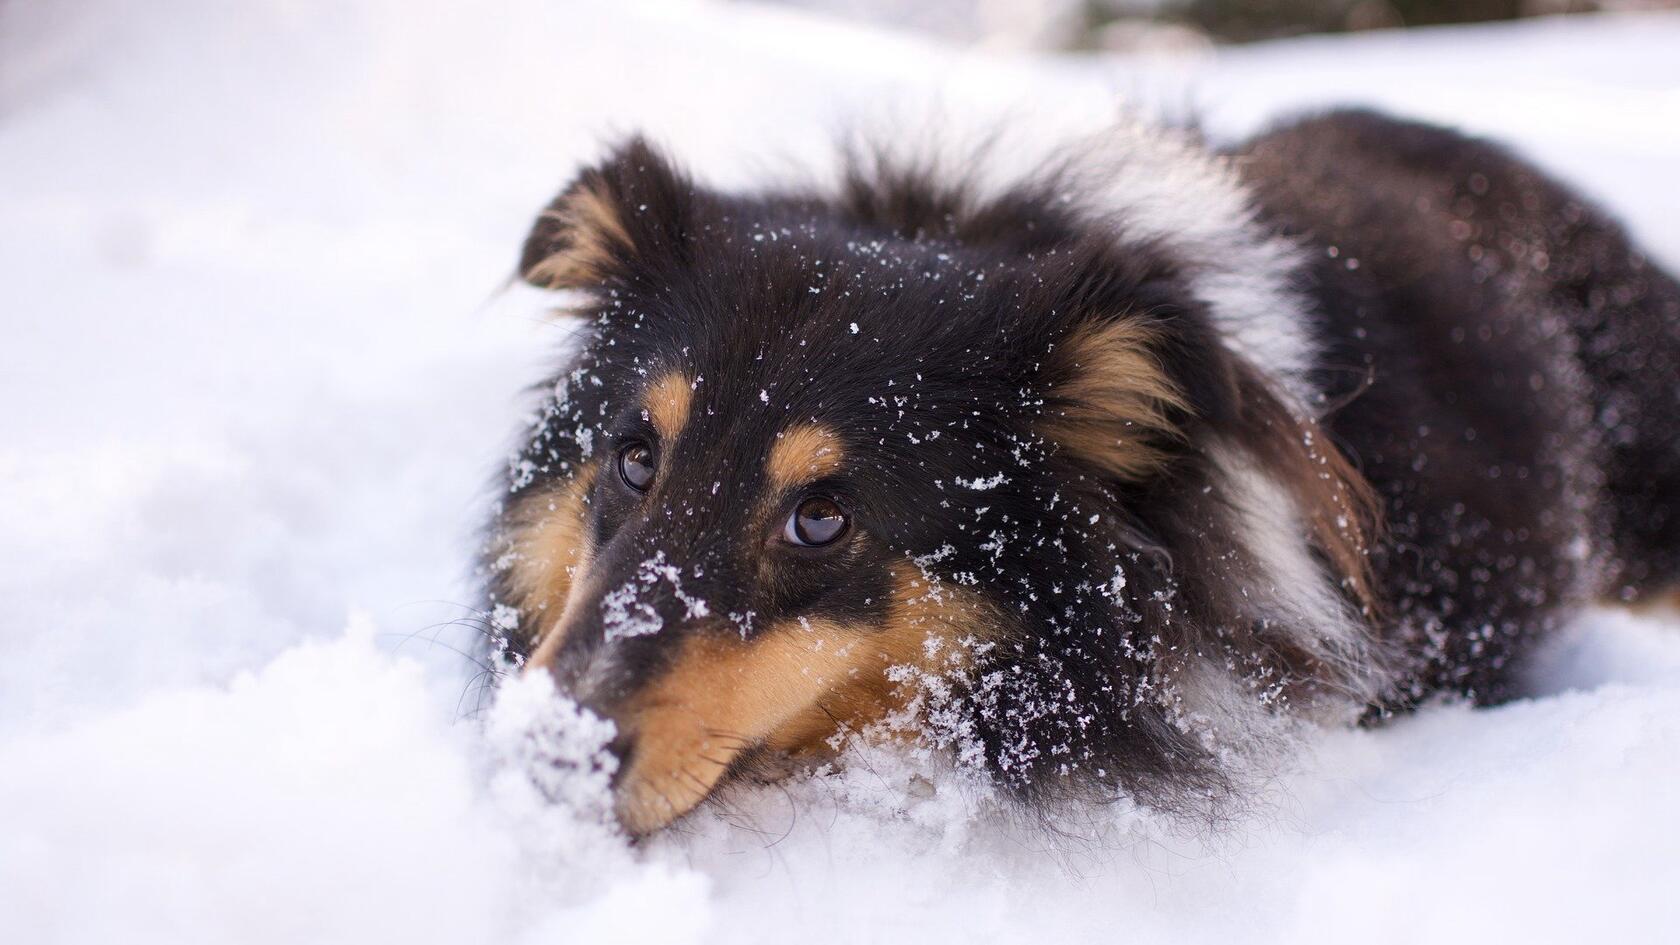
1139,25
258,367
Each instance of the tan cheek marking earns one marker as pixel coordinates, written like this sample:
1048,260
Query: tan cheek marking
803,453
790,688
666,404
593,234
1112,410
721,695
552,552
933,629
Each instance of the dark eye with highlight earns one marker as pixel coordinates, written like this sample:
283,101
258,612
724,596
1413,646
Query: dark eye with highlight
635,466
815,523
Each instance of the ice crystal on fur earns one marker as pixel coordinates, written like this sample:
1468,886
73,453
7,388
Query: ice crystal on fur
628,615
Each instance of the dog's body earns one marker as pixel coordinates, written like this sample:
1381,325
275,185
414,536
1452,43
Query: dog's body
1095,475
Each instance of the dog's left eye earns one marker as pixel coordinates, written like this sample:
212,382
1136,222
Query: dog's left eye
635,465
815,523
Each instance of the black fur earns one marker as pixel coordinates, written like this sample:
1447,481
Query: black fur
1512,369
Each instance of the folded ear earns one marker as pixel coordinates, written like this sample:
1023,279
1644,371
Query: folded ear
615,222
1121,391
1109,400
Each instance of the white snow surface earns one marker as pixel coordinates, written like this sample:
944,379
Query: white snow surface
259,370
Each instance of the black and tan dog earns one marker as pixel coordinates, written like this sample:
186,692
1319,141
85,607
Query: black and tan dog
1096,473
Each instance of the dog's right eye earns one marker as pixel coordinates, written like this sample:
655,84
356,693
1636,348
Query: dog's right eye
635,466
817,522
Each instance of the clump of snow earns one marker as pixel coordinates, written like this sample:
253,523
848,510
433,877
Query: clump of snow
548,787
625,611
544,740
253,388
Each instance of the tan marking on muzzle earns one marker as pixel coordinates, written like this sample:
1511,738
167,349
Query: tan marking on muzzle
803,453
789,689
933,631
666,403
552,553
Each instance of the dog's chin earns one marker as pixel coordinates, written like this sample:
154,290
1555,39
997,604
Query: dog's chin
646,804
644,807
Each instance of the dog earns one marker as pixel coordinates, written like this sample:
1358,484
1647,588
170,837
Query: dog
1099,470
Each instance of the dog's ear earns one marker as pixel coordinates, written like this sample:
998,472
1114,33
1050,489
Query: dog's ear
1122,394
1109,400
617,221
1128,364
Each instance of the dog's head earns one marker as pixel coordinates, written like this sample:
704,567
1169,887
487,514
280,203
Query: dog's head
817,456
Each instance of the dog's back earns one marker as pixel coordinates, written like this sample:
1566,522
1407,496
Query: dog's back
1511,371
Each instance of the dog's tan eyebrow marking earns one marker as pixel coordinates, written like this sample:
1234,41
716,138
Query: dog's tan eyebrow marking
803,453
665,405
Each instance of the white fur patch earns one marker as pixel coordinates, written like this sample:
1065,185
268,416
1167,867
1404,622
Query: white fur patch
1163,186
1298,594
1148,182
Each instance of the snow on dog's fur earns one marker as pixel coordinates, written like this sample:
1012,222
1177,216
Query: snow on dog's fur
1103,470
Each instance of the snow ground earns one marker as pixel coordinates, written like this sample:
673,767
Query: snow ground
257,375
